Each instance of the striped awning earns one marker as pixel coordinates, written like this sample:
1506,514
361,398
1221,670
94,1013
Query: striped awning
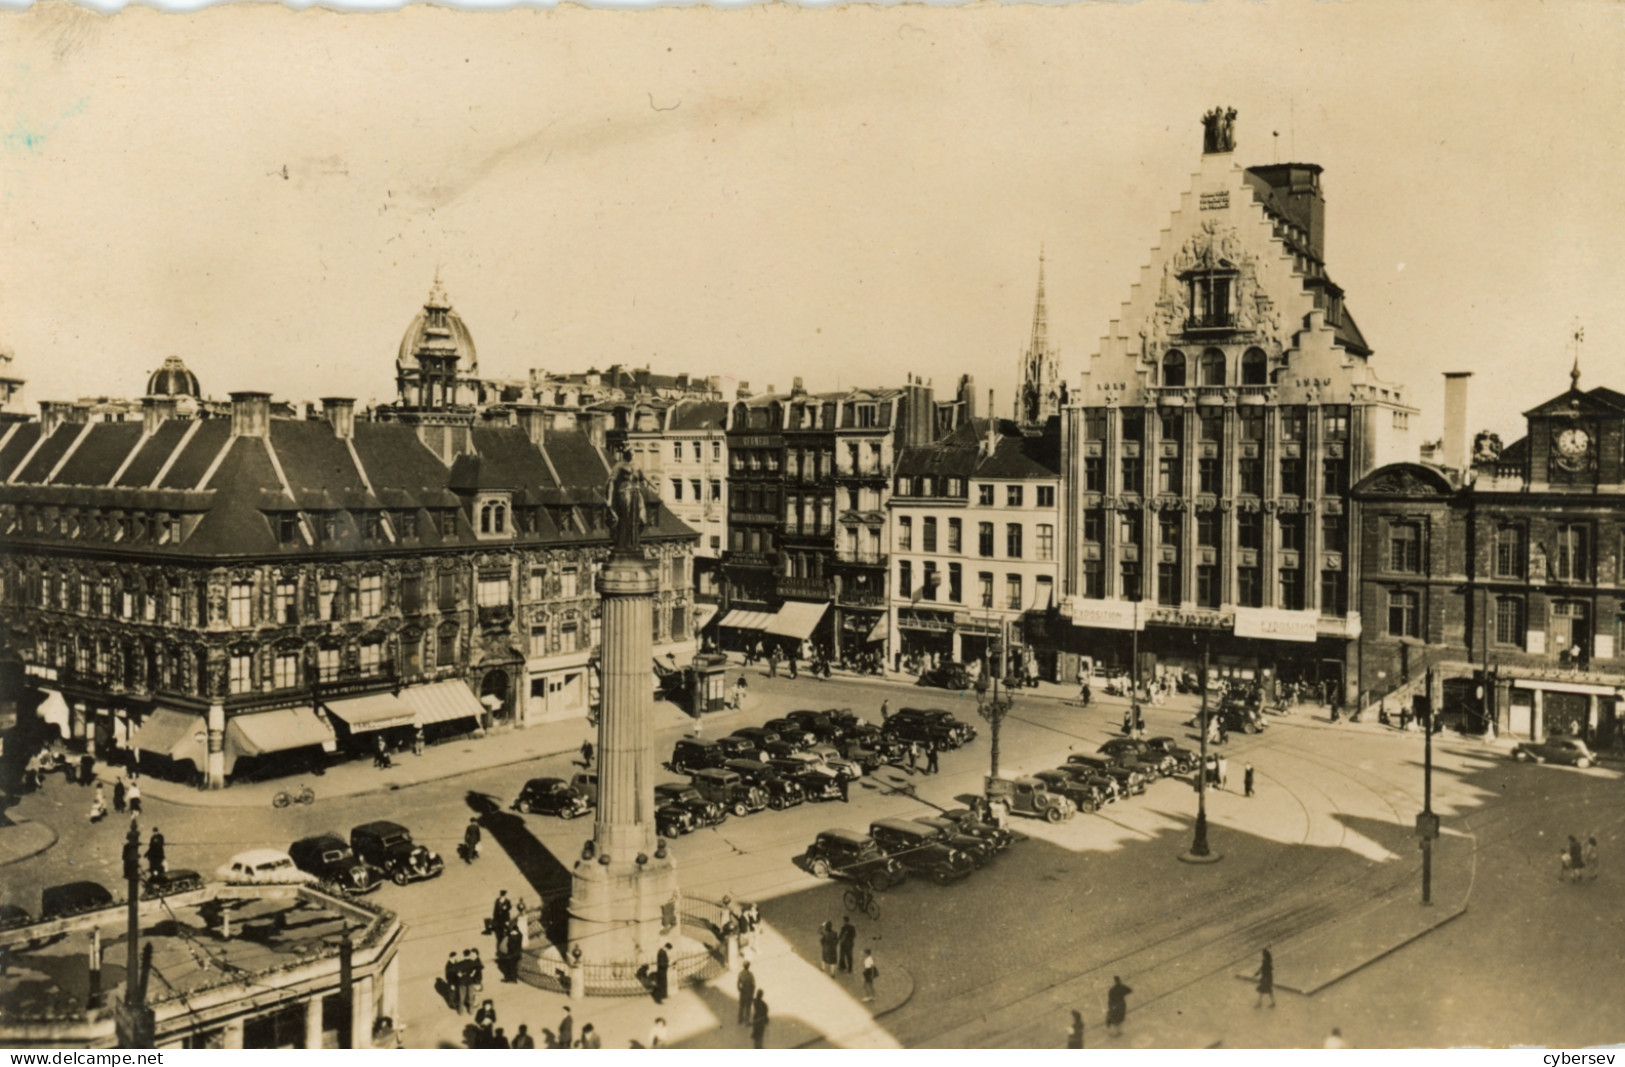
371,711
797,619
703,614
441,702
179,735
740,619
274,731
54,712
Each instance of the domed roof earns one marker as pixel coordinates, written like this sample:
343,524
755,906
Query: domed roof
440,330
173,379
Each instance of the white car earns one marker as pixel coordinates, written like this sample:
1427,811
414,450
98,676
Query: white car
263,866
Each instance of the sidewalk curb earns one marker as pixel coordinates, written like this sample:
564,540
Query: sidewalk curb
31,853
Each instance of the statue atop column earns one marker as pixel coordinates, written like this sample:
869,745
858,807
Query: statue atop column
1219,131
628,512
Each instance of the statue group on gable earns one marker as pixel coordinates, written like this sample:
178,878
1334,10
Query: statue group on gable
1219,131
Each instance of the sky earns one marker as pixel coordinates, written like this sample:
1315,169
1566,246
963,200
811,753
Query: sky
845,195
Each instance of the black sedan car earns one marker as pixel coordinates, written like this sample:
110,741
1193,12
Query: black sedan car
947,676
551,796
1184,758
928,726
1128,781
1137,756
330,858
1085,796
685,796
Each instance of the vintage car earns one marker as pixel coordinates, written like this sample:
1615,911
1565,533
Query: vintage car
813,784
978,848
1107,788
777,785
1128,756
14,915
1556,749
790,732
821,724
1030,796
551,796
1085,796
831,758
928,726
673,820
971,822
73,898
733,747
1129,751
389,847
685,796
871,749
853,857
725,787
586,783
263,866
331,860
1129,782
759,736
1184,758
920,849
690,754
947,676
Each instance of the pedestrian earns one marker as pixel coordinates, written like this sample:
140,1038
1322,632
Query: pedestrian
156,859
870,973
98,806
1577,861
845,786
471,840
476,972
1266,979
87,769
662,972
590,1038
484,1020
1074,1037
848,942
913,750
773,663
1224,773
747,992
931,766
586,754
567,1029
885,710
417,750
758,1019
118,796
1335,1039
1591,856
501,912
1128,721
522,1038
1247,780
1117,1005
739,693
657,1034
132,796
792,665
1084,694
500,1040
1139,722
453,995
829,947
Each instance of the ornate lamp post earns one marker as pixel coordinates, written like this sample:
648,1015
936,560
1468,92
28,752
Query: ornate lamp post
992,708
1199,851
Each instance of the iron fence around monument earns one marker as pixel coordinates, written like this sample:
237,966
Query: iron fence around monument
634,979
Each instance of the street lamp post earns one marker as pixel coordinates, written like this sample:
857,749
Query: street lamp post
1427,823
992,708
1199,852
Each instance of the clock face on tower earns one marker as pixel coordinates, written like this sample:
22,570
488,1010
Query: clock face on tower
1573,445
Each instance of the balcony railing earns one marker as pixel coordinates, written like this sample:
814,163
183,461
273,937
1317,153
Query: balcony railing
862,598
861,555
803,588
865,470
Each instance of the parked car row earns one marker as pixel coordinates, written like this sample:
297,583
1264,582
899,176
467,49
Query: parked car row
943,847
375,851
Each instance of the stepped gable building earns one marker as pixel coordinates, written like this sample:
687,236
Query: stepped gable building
974,519
808,483
227,592
1209,448
1499,576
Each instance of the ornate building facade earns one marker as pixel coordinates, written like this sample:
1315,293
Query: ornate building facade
210,590
1208,452
1501,580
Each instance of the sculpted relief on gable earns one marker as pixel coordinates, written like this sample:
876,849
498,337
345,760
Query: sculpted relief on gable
1215,246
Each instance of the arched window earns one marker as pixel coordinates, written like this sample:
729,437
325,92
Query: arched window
1173,368
499,518
1254,367
1212,367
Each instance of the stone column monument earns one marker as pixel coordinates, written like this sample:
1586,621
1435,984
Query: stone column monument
622,885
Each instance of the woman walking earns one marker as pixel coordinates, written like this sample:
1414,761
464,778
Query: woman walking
1266,980
1074,1038
1117,1006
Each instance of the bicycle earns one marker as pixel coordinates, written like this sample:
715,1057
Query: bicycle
306,795
862,898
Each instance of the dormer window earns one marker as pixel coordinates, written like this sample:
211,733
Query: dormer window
493,516
287,528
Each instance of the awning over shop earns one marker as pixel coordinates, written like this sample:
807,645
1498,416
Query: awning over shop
796,620
179,735
373,711
54,712
274,731
703,614
740,619
881,631
442,702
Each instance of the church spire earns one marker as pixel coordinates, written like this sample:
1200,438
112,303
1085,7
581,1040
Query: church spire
1579,337
1039,395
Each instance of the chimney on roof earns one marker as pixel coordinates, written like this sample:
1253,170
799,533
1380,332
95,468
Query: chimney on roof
967,396
340,412
596,426
796,388
713,385
250,414
1455,450
991,443
743,392
154,410
533,420
52,413
772,390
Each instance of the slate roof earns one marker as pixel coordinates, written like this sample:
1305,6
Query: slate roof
699,415
302,465
1017,455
